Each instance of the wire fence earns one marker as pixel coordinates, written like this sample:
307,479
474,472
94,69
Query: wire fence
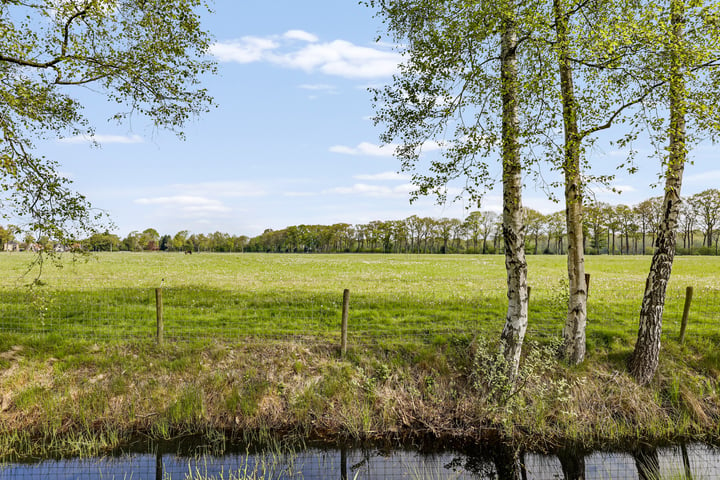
191,312
678,462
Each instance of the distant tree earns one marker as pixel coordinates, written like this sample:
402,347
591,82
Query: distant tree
686,222
706,206
147,237
445,228
132,241
7,235
102,242
165,243
535,222
595,220
180,240
647,215
556,229
626,221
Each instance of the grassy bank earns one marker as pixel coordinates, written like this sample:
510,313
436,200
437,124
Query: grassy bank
260,354
83,397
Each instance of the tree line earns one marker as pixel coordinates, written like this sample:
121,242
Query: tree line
608,229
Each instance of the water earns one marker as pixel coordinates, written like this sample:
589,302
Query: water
694,461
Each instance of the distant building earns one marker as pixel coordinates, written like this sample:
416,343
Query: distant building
11,247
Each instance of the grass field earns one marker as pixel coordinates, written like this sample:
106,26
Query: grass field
93,377
421,296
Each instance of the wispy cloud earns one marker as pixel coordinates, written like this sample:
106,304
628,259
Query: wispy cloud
382,176
244,50
336,58
705,178
301,35
373,150
187,205
102,139
365,189
221,189
365,148
319,87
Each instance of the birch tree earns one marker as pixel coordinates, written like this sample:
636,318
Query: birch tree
684,55
461,79
591,41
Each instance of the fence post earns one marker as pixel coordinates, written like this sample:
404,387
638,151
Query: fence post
529,289
344,327
686,313
587,285
159,311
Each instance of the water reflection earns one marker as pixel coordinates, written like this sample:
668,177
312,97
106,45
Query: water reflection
695,461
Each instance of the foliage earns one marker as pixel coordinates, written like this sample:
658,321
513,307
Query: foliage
146,57
491,379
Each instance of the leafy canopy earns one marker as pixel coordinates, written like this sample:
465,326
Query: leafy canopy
145,56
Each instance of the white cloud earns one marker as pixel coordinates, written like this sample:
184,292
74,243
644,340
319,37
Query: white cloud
705,178
300,35
337,58
365,189
245,50
382,176
299,194
187,205
221,189
102,139
365,148
318,87
373,150
343,59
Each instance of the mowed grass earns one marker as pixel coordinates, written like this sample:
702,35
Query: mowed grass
427,297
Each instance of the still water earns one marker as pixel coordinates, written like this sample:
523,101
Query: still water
692,461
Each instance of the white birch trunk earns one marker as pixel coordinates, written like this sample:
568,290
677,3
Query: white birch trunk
646,356
516,320
574,330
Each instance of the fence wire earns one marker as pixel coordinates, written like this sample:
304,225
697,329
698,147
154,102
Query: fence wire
197,312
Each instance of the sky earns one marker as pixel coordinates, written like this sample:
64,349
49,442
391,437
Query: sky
291,140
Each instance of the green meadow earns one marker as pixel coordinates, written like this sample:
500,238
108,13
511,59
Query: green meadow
252,349
424,297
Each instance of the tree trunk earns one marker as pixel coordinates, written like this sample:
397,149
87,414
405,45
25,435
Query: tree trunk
643,242
513,333
646,356
574,330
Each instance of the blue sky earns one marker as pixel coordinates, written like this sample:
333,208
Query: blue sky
291,140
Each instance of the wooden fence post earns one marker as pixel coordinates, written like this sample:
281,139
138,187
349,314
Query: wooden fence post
344,327
529,289
686,313
159,311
